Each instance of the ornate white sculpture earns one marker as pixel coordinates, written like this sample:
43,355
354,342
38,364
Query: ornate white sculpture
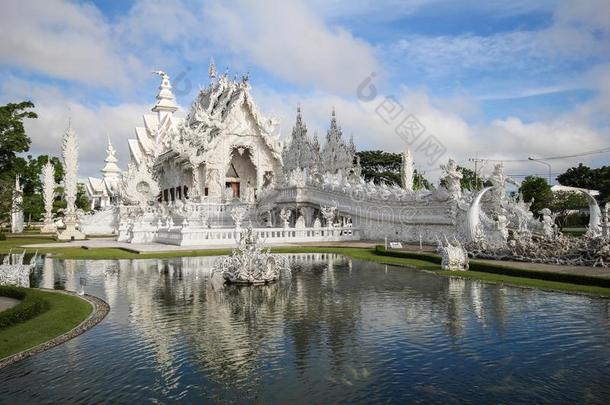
549,229
70,154
48,195
17,209
454,256
499,181
238,213
249,263
14,272
595,216
285,217
452,177
328,212
406,170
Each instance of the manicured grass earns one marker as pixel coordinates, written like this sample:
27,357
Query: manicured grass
64,313
426,261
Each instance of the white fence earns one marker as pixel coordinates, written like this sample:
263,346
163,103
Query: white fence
228,237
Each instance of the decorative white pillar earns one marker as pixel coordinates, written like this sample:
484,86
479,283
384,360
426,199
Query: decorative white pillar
17,209
48,194
70,152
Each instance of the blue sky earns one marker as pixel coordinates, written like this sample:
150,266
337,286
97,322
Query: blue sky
506,79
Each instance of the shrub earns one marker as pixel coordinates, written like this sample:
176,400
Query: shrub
2,236
30,306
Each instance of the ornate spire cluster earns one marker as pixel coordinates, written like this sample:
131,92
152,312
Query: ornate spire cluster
302,151
337,155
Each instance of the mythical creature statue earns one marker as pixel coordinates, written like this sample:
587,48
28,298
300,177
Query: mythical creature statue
452,177
249,263
454,256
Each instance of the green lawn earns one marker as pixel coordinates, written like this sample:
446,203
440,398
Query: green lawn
64,313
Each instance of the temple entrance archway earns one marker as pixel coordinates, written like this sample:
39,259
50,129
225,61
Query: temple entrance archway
241,173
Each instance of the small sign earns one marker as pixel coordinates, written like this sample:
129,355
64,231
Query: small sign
83,281
395,245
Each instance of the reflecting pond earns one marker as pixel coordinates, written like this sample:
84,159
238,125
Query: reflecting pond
337,331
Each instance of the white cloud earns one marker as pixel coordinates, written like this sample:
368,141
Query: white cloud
63,40
93,124
289,40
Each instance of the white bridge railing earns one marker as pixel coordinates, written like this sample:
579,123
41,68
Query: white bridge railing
228,237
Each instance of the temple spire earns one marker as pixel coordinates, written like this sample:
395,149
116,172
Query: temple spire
111,170
165,99
212,70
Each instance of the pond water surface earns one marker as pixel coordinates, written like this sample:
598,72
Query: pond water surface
338,331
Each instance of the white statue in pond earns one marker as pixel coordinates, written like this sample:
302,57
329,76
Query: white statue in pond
454,256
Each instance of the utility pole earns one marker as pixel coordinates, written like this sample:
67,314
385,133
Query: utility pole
476,178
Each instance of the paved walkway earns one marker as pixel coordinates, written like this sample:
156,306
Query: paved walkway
161,248
6,303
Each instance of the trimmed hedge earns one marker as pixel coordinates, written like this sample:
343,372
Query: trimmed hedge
484,267
30,306
429,257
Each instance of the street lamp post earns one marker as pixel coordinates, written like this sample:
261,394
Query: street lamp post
544,163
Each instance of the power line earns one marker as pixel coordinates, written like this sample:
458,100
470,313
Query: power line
588,153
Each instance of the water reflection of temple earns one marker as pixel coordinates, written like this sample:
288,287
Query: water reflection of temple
326,305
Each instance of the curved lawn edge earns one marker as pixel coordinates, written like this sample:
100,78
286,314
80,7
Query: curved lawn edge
99,310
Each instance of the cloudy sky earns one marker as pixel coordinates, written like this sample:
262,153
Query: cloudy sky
504,79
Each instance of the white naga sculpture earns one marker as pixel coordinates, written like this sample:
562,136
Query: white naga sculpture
71,221
17,209
48,195
249,263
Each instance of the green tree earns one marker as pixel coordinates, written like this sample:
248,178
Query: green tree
420,182
591,179
380,166
13,138
580,176
82,201
384,167
538,189
565,202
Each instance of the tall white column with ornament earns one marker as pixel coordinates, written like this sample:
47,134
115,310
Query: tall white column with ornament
48,194
70,152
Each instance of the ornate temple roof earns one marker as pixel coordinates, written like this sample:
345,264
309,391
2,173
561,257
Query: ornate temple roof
301,151
337,154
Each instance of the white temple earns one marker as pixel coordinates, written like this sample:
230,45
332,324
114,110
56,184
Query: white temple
194,181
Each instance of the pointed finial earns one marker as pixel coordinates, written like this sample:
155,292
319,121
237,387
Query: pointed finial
166,101
212,70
